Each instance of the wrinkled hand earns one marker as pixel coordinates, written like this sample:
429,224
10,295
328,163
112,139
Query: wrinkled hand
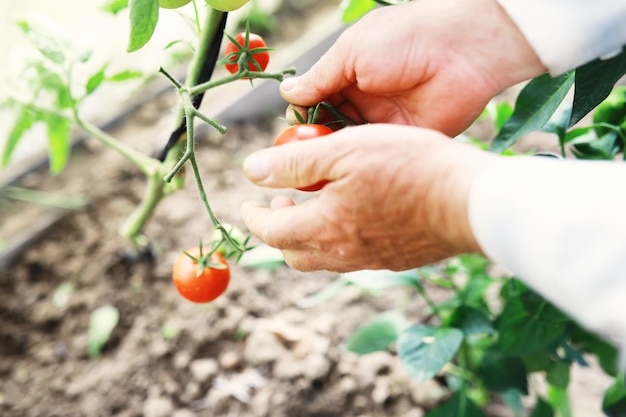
397,198
428,63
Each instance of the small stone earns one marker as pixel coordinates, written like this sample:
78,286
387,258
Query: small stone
184,412
203,369
158,407
182,359
316,366
230,360
263,347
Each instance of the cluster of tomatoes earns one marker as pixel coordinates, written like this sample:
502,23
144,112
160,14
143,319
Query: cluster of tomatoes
202,277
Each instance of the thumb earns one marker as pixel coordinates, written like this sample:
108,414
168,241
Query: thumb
294,165
325,78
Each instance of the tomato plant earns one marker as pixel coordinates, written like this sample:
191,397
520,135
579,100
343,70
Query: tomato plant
226,5
303,132
173,4
253,46
198,281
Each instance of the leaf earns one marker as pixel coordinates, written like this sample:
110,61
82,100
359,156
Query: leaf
59,141
424,350
382,279
115,6
328,292
534,107
52,40
144,15
472,321
262,257
96,80
528,324
366,279
606,352
502,374
456,406
594,82
499,113
513,398
352,10
542,409
614,401
23,122
558,376
102,322
125,75
378,334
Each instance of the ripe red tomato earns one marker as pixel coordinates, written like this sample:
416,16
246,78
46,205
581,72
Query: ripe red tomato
302,132
207,286
255,41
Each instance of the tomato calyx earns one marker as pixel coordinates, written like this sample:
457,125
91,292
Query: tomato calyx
246,53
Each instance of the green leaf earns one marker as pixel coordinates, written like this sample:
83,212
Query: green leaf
472,321
328,292
589,146
59,141
144,15
614,401
23,122
102,322
558,376
534,107
262,257
96,80
528,324
457,406
378,334
352,10
382,279
542,409
499,113
125,75
606,352
424,350
52,40
115,6
502,374
513,398
62,294
594,82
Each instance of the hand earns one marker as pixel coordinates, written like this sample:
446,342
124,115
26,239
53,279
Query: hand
397,198
428,63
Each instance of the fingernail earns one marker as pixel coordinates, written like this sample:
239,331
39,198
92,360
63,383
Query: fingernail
289,83
257,166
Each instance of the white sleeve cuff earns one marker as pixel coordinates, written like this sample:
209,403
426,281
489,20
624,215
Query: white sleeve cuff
566,34
560,226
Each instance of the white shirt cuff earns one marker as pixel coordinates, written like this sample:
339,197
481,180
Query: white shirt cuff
566,34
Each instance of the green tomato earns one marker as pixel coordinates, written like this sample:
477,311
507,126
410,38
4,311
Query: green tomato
226,5
172,4
611,111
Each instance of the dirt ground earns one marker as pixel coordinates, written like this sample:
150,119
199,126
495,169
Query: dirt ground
251,353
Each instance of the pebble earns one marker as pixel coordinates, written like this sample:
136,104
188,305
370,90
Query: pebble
158,407
203,369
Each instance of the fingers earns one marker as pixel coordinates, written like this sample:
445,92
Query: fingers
297,164
326,77
284,225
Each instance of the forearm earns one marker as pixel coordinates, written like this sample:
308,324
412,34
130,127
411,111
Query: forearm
560,226
567,33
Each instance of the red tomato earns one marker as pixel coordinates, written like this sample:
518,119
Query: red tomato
207,286
255,41
302,132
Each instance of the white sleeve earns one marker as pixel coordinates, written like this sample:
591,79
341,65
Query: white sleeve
560,226
569,33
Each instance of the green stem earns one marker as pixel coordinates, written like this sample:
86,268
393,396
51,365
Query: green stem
431,304
245,73
133,225
149,166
